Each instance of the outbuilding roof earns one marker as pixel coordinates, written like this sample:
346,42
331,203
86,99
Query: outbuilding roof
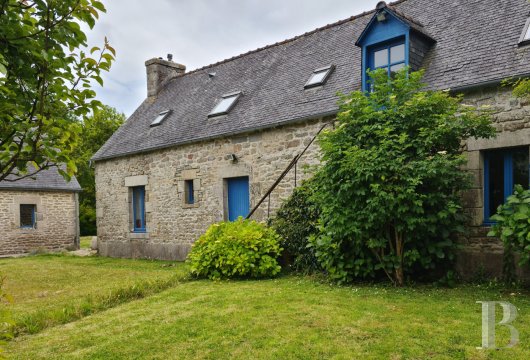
46,180
476,43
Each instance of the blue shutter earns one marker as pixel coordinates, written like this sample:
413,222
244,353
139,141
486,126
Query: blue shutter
238,198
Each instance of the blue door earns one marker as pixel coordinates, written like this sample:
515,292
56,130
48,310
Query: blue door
238,198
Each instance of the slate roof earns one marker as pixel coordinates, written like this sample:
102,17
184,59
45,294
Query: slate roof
476,43
46,180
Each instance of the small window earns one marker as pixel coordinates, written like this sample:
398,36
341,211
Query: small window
503,169
189,196
138,207
391,57
27,216
225,105
319,77
160,118
525,36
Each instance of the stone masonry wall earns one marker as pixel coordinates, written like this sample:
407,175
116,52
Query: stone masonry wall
172,226
56,215
482,255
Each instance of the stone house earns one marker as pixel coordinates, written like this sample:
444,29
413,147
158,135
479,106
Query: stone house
39,213
206,145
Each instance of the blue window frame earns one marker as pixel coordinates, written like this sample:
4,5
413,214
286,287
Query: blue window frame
138,204
390,55
27,216
189,192
503,169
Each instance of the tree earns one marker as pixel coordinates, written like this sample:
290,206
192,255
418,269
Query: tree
45,82
389,189
96,130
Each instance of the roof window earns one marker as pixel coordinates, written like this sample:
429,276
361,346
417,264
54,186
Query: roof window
525,36
225,105
160,118
319,77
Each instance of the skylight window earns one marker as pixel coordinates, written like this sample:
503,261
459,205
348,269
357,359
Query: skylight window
319,77
525,36
160,118
225,105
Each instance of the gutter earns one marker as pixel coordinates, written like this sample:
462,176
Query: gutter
488,83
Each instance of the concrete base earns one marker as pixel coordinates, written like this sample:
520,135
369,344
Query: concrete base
474,265
139,249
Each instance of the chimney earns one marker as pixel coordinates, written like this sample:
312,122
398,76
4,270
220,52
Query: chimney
159,71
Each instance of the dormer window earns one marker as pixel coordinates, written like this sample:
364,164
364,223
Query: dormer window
390,57
160,118
226,104
525,36
319,77
386,42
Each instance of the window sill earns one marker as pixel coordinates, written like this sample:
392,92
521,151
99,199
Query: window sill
138,235
190,206
27,229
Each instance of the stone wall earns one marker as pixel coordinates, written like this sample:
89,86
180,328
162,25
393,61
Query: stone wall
56,222
482,255
172,225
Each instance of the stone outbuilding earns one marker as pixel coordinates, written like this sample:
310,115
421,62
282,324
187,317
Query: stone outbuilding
40,213
206,145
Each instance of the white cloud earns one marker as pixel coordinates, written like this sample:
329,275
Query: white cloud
198,33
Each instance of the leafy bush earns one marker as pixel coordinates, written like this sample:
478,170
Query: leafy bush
513,227
389,187
242,248
295,222
87,220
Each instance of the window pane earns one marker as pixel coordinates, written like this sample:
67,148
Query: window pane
138,208
224,105
188,193
318,77
397,53
160,118
381,58
395,68
520,167
27,216
496,181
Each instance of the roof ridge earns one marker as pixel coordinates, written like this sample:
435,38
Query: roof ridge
286,41
403,15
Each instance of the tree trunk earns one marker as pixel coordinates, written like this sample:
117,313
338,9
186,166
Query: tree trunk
399,274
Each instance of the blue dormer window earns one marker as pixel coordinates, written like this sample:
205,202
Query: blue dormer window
386,43
390,56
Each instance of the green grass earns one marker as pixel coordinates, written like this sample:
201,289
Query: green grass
85,241
287,318
55,289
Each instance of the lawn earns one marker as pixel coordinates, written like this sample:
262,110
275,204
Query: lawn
286,318
48,289
84,242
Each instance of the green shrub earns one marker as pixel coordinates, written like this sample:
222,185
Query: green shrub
389,186
295,222
87,220
242,248
513,228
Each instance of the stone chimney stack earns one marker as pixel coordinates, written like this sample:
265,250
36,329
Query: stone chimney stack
159,71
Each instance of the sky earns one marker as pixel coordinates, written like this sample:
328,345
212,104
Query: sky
198,33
